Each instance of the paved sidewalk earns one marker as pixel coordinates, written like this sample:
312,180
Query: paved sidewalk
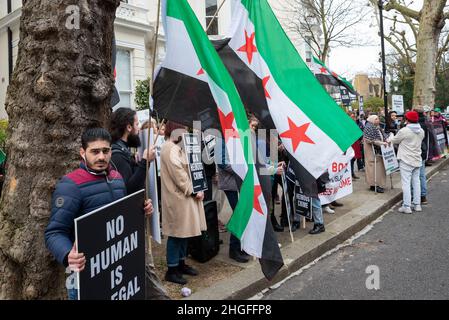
245,280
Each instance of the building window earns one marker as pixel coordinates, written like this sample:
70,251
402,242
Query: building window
124,83
211,8
308,50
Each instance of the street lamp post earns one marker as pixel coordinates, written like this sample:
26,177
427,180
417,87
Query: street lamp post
384,69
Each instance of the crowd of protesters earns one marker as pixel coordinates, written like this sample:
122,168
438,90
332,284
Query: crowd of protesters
110,159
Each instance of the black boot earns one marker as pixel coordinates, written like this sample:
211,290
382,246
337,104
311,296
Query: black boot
276,226
174,276
295,226
317,228
183,268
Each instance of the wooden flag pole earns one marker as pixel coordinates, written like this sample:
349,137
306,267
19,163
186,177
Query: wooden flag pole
150,143
215,16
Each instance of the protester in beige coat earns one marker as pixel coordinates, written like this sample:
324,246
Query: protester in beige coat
373,138
182,210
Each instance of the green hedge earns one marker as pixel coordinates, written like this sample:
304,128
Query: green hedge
3,126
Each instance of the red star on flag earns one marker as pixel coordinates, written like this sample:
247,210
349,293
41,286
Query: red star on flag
200,72
256,203
227,125
323,70
264,83
297,134
249,46
335,75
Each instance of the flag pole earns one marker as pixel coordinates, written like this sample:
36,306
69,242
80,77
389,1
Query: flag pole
289,209
150,143
153,67
215,15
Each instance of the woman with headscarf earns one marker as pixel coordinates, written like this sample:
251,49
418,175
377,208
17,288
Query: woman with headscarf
373,138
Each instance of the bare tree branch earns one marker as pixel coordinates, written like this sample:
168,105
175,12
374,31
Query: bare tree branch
405,11
325,24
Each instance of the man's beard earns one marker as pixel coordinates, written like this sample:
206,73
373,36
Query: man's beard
91,165
134,141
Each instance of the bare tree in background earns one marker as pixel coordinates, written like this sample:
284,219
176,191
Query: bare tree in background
420,41
324,24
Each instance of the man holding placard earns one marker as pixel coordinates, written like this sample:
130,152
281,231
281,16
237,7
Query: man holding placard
84,190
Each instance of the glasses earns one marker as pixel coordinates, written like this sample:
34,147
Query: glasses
103,150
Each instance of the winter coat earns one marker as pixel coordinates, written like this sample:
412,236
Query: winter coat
76,194
409,140
133,172
425,144
375,173
228,180
182,215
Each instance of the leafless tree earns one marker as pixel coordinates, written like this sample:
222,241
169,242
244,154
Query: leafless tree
324,24
421,42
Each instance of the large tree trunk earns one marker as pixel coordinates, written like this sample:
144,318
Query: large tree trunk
61,84
431,23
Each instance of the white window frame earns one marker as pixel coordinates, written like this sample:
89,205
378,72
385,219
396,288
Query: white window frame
216,19
132,90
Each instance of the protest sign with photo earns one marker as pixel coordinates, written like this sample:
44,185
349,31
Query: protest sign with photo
112,239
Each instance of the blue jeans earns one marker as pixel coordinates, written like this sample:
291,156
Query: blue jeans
72,294
317,212
422,179
410,180
233,198
176,250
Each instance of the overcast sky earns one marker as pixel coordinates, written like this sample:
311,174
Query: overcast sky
350,61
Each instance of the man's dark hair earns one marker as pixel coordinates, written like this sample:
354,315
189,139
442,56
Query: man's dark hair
120,119
94,134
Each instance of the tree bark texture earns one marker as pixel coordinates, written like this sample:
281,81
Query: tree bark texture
61,84
430,26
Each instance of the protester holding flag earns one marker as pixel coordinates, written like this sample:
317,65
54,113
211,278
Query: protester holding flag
263,160
124,128
182,210
373,138
409,140
193,61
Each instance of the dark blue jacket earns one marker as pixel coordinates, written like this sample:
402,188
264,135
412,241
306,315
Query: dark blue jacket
76,194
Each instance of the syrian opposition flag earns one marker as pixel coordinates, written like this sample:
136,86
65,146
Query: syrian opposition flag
189,52
2,156
327,77
312,127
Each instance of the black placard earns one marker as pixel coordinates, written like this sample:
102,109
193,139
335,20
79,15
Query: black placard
345,99
303,203
112,239
192,147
